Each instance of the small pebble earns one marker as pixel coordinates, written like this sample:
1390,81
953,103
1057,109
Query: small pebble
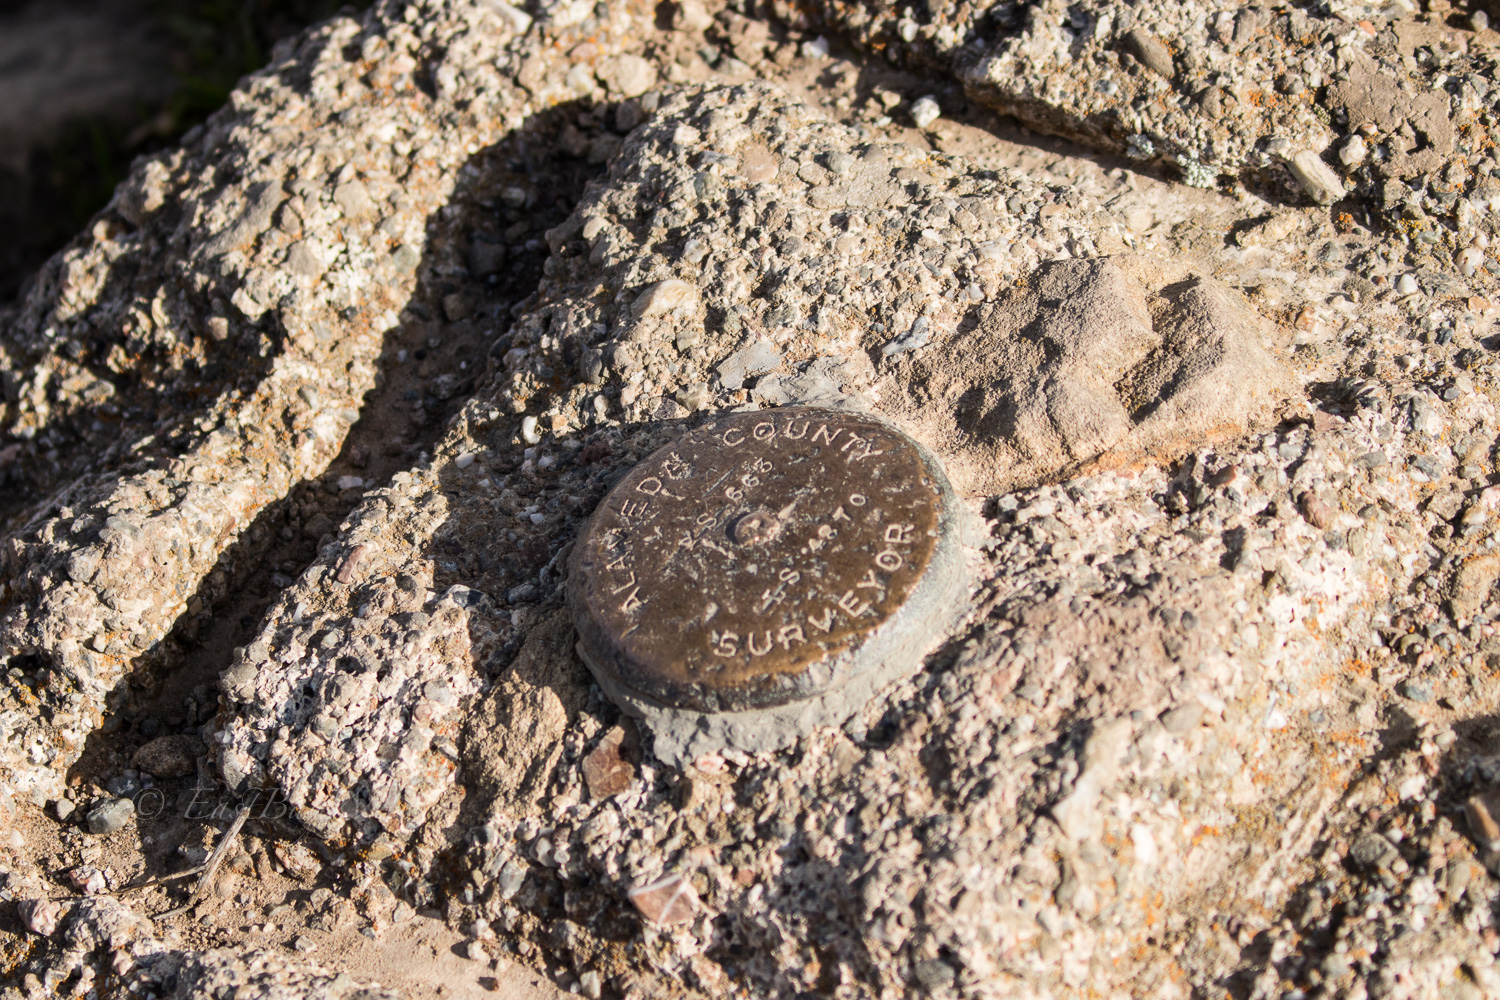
925,112
1150,51
39,916
669,900
123,786
1469,259
1406,285
665,297
88,880
1317,178
816,49
110,815
1354,151
1417,691
607,770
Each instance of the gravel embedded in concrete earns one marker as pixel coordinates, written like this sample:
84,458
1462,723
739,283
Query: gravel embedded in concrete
1219,714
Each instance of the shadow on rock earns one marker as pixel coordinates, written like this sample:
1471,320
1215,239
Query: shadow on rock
489,259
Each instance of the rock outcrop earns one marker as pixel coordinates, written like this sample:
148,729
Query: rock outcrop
1221,693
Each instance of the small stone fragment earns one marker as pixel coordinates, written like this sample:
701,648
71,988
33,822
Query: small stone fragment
515,18
1319,514
300,259
694,396
1483,814
1354,151
627,75
664,297
511,878
667,901
88,880
606,771
1182,718
110,815
1373,851
925,111
1150,51
455,307
691,15
1469,260
756,358
260,208
351,561
1419,691
933,975
591,366
171,756
1319,181
1212,101
405,259
40,916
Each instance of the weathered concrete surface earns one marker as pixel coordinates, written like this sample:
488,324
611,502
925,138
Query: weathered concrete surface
1219,91
1092,365
1224,691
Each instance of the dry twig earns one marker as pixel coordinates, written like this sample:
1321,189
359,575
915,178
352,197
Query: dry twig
211,865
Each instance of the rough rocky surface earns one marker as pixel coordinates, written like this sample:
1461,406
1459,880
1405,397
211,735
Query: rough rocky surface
109,949
1095,364
1217,719
1303,102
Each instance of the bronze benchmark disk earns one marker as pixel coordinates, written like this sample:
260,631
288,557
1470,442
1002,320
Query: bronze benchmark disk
764,575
